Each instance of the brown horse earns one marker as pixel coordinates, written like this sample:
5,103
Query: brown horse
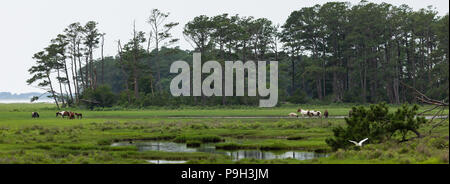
325,114
71,115
63,114
79,115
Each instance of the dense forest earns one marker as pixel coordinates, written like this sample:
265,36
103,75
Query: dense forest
331,53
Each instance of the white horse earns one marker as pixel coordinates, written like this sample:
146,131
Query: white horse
62,114
303,112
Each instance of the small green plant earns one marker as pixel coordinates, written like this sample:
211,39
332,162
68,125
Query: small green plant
103,142
296,137
200,138
193,144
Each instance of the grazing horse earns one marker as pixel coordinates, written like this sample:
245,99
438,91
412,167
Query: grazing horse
303,112
325,114
79,115
310,114
34,115
71,115
315,113
293,115
63,114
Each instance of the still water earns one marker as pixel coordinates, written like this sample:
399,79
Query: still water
210,148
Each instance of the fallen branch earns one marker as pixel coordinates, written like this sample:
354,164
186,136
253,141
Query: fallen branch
424,98
437,124
441,105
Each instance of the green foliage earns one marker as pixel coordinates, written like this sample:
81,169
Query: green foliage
51,140
200,138
102,96
299,97
377,124
359,53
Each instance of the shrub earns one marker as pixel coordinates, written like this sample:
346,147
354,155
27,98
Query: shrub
439,143
193,143
275,146
403,150
103,142
199,126
423,149
228,146
405,161
377,124
444,157
296,137
201,138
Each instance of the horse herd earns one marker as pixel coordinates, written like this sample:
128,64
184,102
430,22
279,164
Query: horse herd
309,113
302,112
312,113
63,114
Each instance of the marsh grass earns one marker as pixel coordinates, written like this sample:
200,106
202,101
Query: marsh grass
61,141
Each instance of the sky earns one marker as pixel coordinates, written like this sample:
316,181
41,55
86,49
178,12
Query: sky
28,26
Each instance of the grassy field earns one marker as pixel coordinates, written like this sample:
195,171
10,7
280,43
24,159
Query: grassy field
54,140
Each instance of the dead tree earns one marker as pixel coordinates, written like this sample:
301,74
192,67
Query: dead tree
439,105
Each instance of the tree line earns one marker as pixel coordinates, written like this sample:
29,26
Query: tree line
335,52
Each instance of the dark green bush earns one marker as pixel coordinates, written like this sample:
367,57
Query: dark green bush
377,124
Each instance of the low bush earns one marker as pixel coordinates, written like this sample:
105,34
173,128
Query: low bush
201,138
377,124
193,143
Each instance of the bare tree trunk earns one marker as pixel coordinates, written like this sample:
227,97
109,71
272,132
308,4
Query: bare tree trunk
158,70
335,87
222,53
397,76
150,63
324,73
103,62
363,74
136,87
93,75
95,78
364,86
135,70
119,48
293,74
74,70
60,88
74,77
68,81
81,66
202,59
319,88
87,71
51,88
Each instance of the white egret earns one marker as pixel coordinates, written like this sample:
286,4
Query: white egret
360,142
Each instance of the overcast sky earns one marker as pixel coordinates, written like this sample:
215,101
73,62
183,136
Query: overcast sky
28,26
